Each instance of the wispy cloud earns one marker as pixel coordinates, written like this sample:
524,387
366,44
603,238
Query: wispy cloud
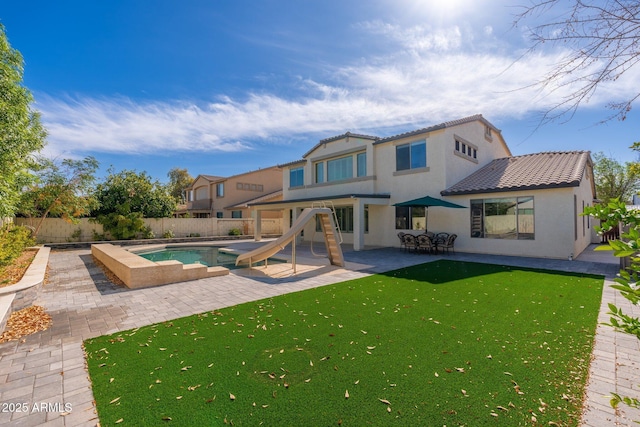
428,79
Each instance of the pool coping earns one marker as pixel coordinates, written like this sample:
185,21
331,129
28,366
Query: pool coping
138,272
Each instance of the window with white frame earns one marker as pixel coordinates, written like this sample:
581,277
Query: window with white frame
503,218
296,177
319,172
344,216
411,156
340,168
411,218
465,149
361,161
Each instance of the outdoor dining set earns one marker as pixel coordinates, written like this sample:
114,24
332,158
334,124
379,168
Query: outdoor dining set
427,242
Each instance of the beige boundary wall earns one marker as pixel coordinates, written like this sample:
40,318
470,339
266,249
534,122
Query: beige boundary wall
56,230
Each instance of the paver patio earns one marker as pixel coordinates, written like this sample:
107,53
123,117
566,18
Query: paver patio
48,367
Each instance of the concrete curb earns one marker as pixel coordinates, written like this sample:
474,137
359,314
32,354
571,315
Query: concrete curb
34,276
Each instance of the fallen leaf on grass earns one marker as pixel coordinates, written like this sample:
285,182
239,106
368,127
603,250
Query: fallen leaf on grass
346,394
385,401
114,400
232,397
119,421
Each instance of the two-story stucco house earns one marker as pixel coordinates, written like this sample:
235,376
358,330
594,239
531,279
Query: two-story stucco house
524,205
228,197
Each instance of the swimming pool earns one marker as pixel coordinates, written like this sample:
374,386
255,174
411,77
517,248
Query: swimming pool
210,256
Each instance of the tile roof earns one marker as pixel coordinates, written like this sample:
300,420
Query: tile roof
339,137
440,126
528,172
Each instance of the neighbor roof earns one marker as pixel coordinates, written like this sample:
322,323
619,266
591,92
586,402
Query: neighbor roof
528,172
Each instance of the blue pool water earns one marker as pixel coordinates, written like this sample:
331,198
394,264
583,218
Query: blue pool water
210,256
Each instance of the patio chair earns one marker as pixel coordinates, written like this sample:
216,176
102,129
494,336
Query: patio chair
402,243
430,234
426,244
441,238
448,244
410,242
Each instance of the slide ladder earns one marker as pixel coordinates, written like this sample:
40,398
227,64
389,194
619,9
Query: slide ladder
332,238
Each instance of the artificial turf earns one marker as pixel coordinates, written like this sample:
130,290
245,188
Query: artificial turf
443,343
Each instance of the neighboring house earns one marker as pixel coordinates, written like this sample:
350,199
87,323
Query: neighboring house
219,197
525,205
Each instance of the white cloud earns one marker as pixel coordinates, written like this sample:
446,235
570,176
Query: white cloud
429,80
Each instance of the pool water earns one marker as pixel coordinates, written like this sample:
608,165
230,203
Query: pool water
208,255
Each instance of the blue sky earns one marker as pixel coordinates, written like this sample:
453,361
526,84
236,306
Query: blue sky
224,87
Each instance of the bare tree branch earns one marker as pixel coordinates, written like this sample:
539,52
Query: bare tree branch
602,38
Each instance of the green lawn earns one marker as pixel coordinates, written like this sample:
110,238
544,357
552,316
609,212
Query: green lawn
443,343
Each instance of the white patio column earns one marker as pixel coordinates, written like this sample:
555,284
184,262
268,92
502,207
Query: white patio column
257,224
358,225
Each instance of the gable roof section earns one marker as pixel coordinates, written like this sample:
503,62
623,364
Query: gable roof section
476,117
339,137
531,171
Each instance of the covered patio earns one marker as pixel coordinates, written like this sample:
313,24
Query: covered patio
351,212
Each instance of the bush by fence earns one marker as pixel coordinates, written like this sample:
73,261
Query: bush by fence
56,230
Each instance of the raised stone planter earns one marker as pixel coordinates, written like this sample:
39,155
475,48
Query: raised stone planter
23,294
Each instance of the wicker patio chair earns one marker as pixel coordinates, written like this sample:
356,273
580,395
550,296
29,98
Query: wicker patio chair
449,243
402,243
410,242
426,244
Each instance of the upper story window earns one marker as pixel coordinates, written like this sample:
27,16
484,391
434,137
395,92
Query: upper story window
411,156
319,171
296,177
464,147
361,164
220,189
338,169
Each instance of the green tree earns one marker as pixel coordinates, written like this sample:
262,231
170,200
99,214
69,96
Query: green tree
125,198
179,179
614,180
21,133
61,189
614,214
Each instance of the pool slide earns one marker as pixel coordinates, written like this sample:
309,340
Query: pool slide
309,214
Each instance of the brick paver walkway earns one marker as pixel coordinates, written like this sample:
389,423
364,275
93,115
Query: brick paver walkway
48,367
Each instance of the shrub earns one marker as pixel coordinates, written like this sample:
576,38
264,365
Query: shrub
75,236
235,232
122,227
13,240
147,233
193,235
169,234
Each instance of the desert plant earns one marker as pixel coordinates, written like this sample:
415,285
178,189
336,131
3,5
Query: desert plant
168,234
13,241
235,232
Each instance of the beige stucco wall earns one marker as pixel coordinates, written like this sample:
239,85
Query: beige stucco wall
554,226
555,212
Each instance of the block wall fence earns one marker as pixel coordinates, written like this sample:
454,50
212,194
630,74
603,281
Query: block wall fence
57,230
